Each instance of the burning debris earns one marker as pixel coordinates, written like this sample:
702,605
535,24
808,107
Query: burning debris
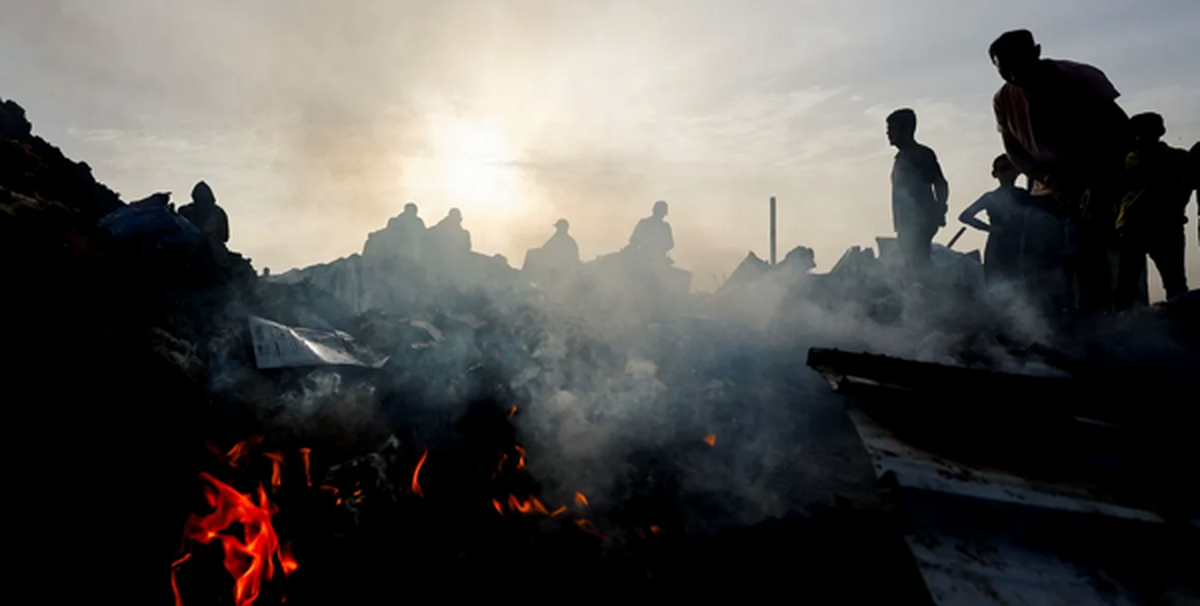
459,419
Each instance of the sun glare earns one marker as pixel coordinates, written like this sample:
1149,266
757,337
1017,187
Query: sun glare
474,170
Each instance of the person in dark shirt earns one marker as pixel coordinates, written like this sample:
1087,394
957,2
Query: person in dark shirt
1005,207
204,213
1061,125
919,191
652,237
1153,212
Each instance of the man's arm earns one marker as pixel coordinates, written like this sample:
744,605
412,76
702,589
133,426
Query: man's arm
941,188
968,216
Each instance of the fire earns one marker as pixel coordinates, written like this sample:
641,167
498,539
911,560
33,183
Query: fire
304,452
174,583
416,485
711,439
527,506
590,528
655,529
285,558
521,461
512,412
276,468
581,499
250,561
241,449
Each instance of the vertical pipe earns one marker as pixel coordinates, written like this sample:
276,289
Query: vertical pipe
772,230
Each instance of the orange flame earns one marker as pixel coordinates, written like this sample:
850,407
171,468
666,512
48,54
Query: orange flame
241,449
498,506
655,529
416,485
512,412
590,528
285,558
559,511
521,461
532,504
329,489
500,466
304,452
276,468
580,499
711,439
174,583
247,562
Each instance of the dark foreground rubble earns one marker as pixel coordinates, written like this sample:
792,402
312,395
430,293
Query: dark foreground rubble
493,438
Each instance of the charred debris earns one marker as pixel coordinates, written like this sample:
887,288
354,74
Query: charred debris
354,432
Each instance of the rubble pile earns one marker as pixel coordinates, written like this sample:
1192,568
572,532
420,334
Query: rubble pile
391,414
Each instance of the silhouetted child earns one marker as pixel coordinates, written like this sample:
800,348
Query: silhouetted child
1005,208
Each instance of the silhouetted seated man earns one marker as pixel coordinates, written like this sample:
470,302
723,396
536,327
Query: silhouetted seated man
448,236
401,238
1061,125
558,255
204,213
1153,212
652,239
919,191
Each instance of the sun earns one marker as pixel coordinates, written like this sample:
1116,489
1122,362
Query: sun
475,170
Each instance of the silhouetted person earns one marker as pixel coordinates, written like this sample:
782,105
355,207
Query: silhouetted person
1061,125
1005,207
448,237
401,238
1153,212
561,249
1194,163
652,237
919,191
204,213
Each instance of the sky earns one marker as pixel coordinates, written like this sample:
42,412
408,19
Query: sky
314,121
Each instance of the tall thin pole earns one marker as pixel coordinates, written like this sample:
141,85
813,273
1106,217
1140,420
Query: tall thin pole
772,230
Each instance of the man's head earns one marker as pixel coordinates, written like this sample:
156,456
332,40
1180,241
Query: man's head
203,194
454,215
1004,171
901,127
562,225
660,209
410,209
1015,55
1147,128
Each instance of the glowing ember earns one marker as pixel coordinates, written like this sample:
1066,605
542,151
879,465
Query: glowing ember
590,528
416,485
250,561
580,499
276,468
242,449
512,412
304,452
285,558
526,506
655,529
711,439
500,467
329,489
521,462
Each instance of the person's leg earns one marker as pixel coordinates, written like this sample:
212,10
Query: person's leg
1130,271
1167,251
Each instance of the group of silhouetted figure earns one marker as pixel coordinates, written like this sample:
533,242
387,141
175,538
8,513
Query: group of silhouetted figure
1106,190
1106,193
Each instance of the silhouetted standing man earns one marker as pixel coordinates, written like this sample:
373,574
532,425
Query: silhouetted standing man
204,213
1061,125
1153,212
919,191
